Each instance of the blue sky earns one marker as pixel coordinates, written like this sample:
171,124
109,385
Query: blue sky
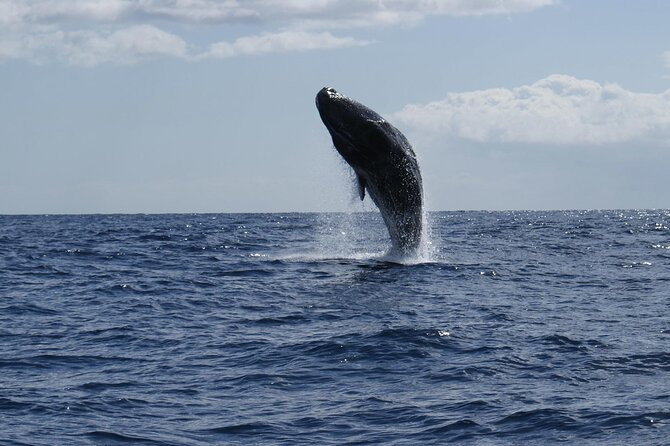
208,106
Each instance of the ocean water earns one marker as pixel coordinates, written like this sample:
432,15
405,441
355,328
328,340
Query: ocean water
512,328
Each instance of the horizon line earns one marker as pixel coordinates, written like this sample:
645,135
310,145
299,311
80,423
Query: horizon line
66,214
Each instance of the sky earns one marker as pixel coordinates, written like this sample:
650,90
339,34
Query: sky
147,106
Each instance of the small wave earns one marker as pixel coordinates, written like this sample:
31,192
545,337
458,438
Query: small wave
12,405
101,386
537,419
647,364
252,428
281,320
612,420
109,437
155,237
28,309
564,343
464,424
248,272
382,346
50,361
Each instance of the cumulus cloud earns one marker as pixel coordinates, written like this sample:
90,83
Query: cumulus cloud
559,109
88,32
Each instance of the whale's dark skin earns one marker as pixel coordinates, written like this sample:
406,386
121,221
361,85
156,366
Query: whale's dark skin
383,161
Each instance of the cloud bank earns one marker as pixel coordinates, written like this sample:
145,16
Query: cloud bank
91,32
297,12
558,109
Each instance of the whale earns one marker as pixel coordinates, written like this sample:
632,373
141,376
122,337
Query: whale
384,164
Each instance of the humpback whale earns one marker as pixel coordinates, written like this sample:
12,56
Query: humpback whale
384,164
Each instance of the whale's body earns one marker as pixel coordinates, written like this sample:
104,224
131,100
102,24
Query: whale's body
383,161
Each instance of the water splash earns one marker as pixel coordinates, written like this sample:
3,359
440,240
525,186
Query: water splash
427,249
357,235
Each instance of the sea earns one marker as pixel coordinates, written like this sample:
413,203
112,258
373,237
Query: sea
507,328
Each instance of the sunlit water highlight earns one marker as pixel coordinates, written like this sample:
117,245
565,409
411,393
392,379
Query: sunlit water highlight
512,328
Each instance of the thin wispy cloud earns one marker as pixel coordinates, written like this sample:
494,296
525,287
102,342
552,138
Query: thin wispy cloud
90,32
142,42
559,109
265,11
282,42
88,48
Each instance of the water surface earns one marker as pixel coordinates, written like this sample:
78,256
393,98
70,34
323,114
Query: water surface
516,328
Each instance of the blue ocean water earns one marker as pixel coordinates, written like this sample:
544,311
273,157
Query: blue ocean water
514,328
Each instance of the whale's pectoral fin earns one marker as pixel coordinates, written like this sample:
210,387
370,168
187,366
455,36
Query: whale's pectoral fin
361,186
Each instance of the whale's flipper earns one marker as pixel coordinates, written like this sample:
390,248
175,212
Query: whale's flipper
361,186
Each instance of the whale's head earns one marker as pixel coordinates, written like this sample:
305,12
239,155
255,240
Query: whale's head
360,135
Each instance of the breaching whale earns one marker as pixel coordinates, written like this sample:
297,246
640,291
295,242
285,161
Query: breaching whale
383,161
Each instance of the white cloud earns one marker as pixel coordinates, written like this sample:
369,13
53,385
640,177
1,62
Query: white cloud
87,48
130,45
197,11
126,45
27,12
88,32
280,43
559,109
99,10
267,11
